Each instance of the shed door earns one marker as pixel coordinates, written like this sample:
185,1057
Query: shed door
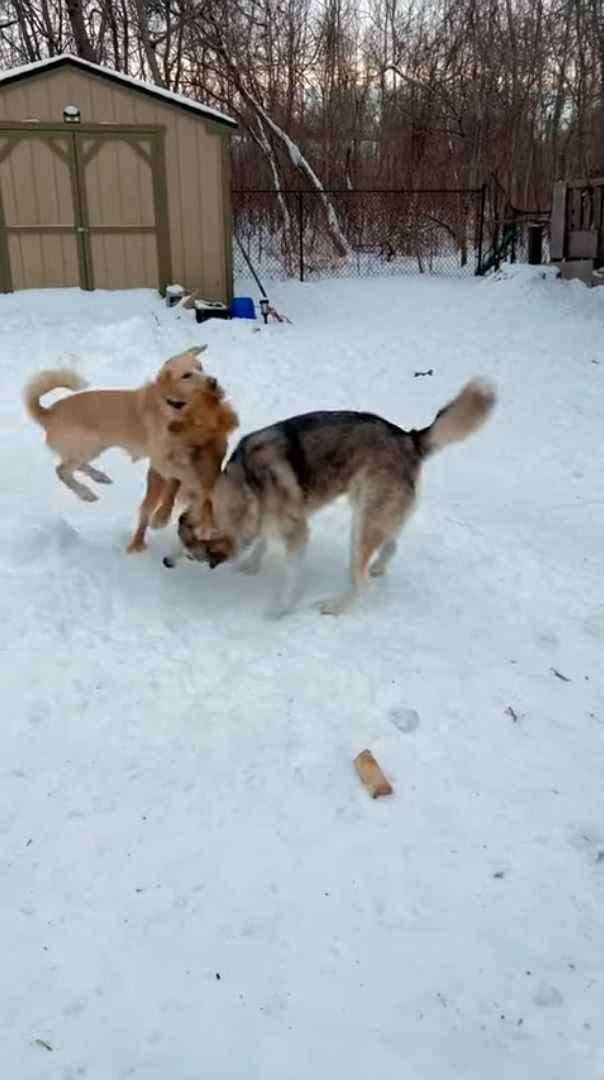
82,206
38,224
122,187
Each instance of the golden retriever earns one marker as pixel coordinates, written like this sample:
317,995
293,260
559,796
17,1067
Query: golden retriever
80,427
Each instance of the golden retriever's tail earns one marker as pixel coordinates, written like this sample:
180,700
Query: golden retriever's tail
460,418
43,384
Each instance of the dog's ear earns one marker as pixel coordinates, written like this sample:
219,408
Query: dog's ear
196,350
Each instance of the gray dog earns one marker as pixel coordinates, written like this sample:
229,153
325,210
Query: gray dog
277,477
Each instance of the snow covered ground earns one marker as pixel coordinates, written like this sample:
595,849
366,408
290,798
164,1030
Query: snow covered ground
194,884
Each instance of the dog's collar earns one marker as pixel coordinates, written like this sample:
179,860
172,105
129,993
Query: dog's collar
175,404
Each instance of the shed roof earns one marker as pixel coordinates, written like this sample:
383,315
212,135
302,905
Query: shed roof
67,60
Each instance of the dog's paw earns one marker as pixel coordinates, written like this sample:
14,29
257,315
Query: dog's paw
86,495
331,605
276,611
248,567
99,477
136,546
160,520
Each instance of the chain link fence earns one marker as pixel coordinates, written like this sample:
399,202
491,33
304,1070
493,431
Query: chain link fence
313,234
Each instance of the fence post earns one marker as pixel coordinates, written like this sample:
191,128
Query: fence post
481,213
301,234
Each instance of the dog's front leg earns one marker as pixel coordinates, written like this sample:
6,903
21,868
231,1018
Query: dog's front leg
163,511
154,492
253,562
295,548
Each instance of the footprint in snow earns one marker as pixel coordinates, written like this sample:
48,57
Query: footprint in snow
547,997
405,720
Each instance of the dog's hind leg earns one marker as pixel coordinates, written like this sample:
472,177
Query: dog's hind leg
376,525
370,540
65,471
97,475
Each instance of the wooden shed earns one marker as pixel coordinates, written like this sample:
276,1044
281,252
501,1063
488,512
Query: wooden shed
109,183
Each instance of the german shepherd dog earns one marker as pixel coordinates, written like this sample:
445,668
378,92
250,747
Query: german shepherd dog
277,477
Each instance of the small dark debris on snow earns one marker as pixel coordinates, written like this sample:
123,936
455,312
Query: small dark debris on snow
28,843
512,712
559,675
217,976
421,374
45,1045
499,874
600,856
520,1022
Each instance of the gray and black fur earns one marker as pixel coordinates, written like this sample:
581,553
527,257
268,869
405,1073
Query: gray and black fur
277,477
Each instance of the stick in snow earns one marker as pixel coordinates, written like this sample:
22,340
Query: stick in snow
371,775
44,1044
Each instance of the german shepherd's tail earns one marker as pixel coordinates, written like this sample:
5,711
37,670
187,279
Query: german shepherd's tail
460,418
45,382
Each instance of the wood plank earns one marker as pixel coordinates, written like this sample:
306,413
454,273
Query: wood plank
558,222
582,244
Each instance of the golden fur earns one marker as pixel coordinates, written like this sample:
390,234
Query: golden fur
81,426
188,462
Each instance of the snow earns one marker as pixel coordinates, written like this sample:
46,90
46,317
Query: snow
194,883
170,96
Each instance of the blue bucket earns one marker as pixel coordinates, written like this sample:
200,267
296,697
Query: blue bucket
242,307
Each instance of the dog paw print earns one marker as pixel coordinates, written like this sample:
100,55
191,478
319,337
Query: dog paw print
547,997
591,843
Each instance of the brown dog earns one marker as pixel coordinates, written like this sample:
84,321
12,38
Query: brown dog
187,462
80,427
